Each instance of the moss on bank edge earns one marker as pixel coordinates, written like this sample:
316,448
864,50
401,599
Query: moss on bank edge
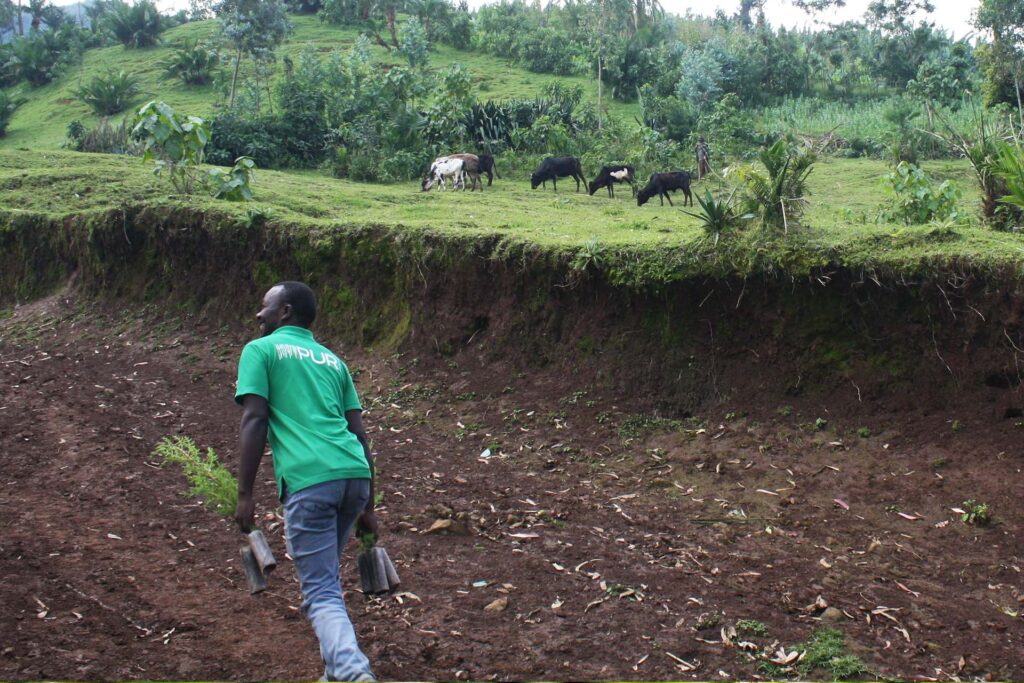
614,240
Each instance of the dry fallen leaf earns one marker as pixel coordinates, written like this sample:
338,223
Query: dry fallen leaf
683,665
498,605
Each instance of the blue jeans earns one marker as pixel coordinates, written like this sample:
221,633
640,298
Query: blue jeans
318,521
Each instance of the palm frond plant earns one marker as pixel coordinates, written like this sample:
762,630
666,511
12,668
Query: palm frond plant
109,93
137,25
1010,168
982,148
718,217
8,103
192,63
777,194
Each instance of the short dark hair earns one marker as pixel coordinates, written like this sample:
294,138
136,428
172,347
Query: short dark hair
301,299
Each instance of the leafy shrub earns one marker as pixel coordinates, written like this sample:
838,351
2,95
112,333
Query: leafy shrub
176,141
103,138
260,138
192,63
109,93
304,6
413,42
914,199
234,185
8,103
137,25
210,480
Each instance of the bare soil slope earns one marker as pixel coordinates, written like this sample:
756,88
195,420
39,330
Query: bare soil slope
623,541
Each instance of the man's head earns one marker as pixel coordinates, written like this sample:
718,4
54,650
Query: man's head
287,303
700,139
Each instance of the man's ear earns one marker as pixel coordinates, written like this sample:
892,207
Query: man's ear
286,312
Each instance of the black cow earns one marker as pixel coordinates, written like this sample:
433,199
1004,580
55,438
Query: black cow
487,166
553,168
610,175
662,183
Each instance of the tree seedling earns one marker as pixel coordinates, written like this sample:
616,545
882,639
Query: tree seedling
975,513
377,573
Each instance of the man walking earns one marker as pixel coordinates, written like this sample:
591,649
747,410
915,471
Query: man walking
301,395
703,152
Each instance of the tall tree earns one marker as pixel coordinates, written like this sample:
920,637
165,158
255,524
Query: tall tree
1004,19
7,12
604,20
254,28
746,7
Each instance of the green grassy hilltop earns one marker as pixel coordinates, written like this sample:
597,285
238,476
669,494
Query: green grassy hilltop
41,123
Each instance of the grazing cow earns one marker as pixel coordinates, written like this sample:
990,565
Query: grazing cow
487,166
610,175
662,183
442,168
553,168
470,167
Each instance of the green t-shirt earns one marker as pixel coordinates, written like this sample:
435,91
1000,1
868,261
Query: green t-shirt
308,389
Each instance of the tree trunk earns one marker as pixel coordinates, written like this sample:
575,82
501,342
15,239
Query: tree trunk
21,26
391,25
234,78
1016,89
599,60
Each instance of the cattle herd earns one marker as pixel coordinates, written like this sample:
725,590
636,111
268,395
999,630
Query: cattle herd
458,168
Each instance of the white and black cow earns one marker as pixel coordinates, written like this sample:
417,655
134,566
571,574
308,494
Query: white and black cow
610,175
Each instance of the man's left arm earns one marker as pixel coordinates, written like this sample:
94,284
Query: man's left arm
367,522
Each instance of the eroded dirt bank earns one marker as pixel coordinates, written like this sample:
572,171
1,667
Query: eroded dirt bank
623,535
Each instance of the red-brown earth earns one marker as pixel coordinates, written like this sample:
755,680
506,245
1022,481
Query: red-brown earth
625,542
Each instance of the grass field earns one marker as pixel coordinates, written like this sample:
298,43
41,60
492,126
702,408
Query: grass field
41,123
58,184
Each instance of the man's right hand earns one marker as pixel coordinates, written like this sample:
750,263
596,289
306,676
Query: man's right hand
245,512
366,523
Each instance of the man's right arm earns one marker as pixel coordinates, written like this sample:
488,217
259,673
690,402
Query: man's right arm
252,439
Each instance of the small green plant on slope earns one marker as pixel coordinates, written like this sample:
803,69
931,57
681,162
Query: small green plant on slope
110,92
210,480
192,63
824,651
717,217
777,194
914,199
234,185
175,141
8,103
975,513
590,255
